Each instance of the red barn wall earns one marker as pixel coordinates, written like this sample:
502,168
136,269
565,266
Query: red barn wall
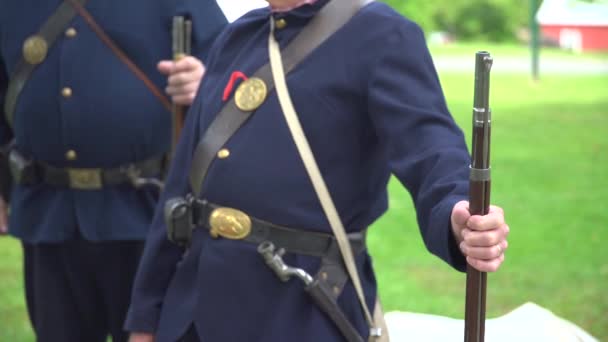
594,38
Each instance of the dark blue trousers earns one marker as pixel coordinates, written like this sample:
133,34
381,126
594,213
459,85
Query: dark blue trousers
79,290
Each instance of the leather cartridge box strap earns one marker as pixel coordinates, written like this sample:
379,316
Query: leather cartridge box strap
324,24
35,49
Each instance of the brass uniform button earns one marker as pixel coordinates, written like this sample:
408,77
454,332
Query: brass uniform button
66,92
71,155
223,153
70,32
280,23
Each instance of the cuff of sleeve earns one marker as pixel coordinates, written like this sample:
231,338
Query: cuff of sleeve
144,321
456,258
447,247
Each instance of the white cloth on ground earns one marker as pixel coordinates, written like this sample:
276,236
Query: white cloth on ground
529,322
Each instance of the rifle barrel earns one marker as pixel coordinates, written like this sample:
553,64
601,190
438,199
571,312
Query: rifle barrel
178,36
188,37
181,34
479,193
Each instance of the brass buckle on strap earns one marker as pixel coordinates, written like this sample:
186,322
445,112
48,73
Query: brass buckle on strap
85,179
229,223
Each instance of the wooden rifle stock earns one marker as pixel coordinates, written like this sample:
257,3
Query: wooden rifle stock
182,36
479,194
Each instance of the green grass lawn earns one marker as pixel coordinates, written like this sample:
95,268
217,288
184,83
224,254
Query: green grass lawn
14,324
550,173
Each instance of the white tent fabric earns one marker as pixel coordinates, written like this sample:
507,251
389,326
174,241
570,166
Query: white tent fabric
234,9
573,13
527,323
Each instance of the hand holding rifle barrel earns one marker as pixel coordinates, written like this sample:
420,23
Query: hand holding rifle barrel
184,74
479,228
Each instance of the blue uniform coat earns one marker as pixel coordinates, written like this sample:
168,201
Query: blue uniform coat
109,120
370,104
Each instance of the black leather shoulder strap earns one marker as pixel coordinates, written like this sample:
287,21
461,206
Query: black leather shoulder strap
49,32
330,19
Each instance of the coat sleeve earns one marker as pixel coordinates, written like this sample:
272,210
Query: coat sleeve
424,146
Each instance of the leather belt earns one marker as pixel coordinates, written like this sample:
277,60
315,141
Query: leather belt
234,224
30,172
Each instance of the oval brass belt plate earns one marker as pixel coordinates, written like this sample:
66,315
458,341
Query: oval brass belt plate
250,94
35,49
229,223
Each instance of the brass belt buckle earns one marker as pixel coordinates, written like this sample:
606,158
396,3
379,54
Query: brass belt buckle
85,179
229,223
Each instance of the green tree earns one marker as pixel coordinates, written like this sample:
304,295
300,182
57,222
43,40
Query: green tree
495,20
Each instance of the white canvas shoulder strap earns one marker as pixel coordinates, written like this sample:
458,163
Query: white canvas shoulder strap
377,322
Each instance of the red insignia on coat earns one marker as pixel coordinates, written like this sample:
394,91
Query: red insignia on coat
236,75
